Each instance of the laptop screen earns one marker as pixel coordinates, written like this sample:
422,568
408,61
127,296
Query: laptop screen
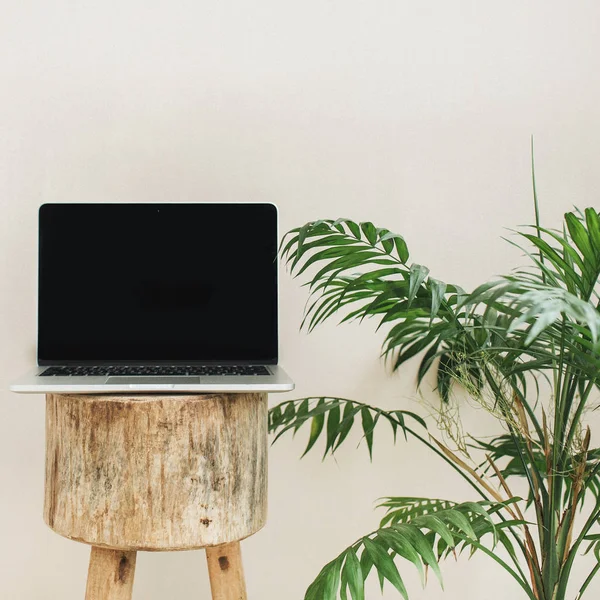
171,283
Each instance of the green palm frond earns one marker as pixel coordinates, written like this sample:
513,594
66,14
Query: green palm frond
363,237
344,246
334,418
419,309
472,515
422,540
402,510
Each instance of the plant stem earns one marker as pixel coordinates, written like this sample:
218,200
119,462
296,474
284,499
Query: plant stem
536,208
551,551
568,563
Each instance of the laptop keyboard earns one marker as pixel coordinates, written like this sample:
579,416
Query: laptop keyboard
205,370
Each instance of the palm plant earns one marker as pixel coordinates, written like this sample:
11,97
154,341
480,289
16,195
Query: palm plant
524,347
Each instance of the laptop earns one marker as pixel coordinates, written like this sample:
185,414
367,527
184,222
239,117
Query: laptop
157,298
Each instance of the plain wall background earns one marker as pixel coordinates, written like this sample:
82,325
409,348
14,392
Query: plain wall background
416,115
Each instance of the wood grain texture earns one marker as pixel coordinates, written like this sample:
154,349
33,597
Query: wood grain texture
226,572
156,472
110,575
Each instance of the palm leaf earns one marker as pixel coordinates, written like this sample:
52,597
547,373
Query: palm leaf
420,538
333,419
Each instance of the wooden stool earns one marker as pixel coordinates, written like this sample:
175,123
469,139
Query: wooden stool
179,472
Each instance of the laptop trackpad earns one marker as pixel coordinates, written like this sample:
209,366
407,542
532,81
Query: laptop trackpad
150,380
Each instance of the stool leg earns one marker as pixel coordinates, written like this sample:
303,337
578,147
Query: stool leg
110,576
226,572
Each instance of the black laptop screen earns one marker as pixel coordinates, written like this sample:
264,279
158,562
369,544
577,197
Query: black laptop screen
157,282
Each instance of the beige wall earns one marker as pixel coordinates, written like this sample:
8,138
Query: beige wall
416,115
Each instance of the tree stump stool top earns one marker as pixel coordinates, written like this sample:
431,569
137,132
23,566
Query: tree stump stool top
160,472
